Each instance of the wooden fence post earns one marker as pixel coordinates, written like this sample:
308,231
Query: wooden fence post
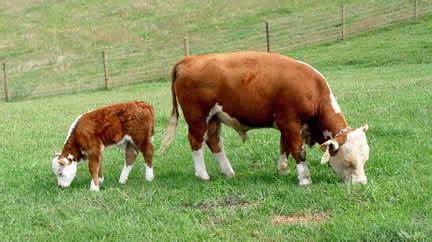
5,82
267,25
186,46
415,13
342,12
105,65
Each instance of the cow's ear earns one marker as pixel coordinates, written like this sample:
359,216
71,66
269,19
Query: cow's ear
365,128
330,145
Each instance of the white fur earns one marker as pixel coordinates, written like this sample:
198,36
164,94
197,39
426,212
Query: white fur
125,174
149,173
221,158
72,127
70,157
334,103
349,161
200,168
327,134
283,164
65,174
93,187
303,174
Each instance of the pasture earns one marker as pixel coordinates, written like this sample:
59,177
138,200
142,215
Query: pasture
382,78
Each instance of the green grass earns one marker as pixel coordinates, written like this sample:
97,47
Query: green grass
383,78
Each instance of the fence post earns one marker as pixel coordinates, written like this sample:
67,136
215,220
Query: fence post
105,65
415,9
186,46
5,82
267,25
342,21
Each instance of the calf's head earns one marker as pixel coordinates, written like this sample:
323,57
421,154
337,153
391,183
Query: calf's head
348,154
65,169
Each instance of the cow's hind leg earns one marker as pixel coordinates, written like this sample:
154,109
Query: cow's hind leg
196,135
130,157
215,143
283,161
293,143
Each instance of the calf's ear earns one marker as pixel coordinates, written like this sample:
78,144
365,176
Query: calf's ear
365,128
327,147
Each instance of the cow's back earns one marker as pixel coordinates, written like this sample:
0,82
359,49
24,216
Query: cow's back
249,84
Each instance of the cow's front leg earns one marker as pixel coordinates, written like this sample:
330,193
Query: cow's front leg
196,137
283,161
215,143
95,157
293,142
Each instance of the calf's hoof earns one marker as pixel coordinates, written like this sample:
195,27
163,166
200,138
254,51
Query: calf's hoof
203,177
101,180
285,172
230,174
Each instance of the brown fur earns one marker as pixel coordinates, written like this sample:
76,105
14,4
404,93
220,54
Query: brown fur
107,126
257,89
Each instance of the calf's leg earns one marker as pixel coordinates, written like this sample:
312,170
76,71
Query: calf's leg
130,157
147,150
95,158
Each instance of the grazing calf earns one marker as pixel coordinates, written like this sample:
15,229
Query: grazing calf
247,90
130,125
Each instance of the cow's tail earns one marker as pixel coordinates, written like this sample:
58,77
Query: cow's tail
173,121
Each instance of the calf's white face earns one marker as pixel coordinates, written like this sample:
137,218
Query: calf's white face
351,156
65,170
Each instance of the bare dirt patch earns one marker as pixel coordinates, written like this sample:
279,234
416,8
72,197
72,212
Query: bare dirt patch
299,219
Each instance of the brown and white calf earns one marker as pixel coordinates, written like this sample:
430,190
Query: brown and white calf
247,90
130,125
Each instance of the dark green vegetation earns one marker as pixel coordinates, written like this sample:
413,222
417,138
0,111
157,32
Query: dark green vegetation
383,78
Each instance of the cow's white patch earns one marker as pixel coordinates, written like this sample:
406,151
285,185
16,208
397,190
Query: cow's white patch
72,127
93,187
200,168
149,173
349,161
283,164
303,174
334,103
125,173
124,141
221,158
327,134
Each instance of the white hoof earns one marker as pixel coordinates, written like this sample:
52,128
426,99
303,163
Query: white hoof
122,180
93,187
149,174
229,173
101,180
305,181
203,176
285,172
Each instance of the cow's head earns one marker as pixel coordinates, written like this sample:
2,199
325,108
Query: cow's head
347,154
65,169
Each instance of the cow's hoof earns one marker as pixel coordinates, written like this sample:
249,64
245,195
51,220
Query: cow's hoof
305,181
94,188
230,174
203,177
285,172
122,180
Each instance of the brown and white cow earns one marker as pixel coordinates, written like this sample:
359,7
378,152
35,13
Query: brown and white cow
130,125
247,90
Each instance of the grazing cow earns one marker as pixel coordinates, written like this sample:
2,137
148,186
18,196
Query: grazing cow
247,90
130,125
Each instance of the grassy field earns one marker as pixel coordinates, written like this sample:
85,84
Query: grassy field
382,78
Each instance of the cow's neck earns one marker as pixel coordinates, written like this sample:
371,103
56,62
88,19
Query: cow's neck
331,121
71,148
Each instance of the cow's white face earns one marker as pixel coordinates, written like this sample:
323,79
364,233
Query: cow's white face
350,157
65,170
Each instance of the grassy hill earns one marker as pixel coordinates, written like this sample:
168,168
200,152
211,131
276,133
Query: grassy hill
382,78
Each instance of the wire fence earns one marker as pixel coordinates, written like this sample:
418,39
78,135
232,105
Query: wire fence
141,61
